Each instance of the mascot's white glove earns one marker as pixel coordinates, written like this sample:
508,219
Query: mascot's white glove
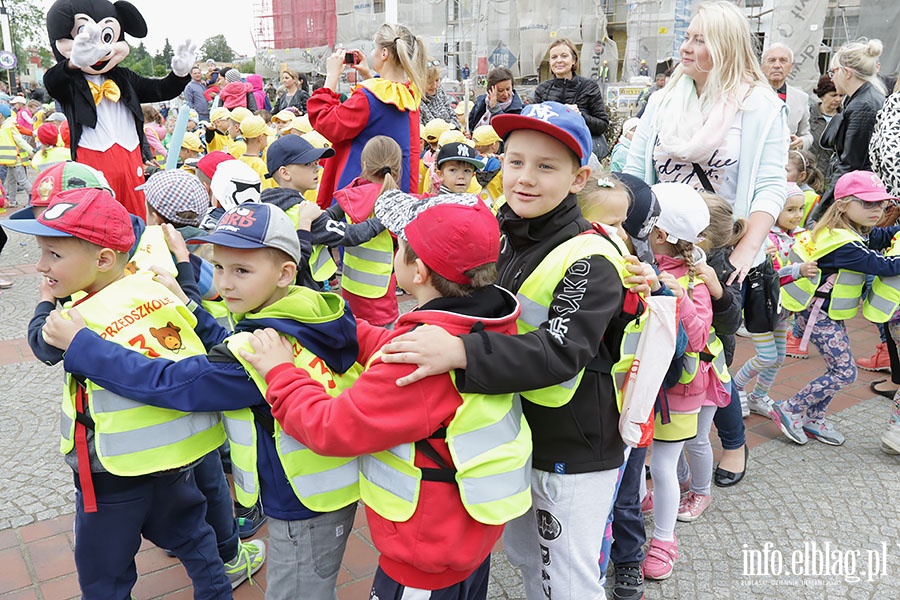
183,58
87,49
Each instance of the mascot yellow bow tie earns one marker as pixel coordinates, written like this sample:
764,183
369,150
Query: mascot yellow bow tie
108,90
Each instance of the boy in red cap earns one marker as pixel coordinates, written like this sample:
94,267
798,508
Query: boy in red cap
132,463
572,288
440,472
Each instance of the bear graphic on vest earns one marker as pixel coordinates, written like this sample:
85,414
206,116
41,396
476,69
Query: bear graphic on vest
168,336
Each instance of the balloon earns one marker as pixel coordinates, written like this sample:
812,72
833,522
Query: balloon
177,138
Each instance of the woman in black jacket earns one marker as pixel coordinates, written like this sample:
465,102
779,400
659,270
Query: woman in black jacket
295,93
854,71
580,93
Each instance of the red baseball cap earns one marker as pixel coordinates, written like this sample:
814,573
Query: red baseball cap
451,233
65,176
48,134
89,214
865,185
211,161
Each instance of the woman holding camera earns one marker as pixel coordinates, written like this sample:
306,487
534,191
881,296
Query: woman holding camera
386,105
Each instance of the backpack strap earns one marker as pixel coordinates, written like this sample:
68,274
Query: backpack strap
704,180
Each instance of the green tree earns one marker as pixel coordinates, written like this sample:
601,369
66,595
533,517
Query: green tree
217,48
248,66
27,27
167,53
139,61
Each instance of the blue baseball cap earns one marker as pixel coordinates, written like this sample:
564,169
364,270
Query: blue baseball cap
252,225
556,120
5,110
293,150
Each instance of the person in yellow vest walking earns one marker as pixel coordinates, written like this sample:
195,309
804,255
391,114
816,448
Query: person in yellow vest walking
844,244
133,464
310,499
441,471
14,152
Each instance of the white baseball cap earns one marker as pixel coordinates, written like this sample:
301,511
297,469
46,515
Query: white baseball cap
683,214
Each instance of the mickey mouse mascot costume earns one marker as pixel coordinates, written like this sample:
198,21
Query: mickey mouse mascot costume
101,100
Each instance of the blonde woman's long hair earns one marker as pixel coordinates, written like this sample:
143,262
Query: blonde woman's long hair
407,50
726,32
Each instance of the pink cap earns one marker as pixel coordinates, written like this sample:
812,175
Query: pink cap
865,185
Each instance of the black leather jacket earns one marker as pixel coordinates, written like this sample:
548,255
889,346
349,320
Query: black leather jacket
580,91
851,141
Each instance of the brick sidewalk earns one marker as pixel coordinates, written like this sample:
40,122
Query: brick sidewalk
38,561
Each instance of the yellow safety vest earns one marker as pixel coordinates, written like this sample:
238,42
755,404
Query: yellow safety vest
536,295
153,250
714,352
798,295
9,150
132,438
368,267
883,298
321,264
490,444
322,483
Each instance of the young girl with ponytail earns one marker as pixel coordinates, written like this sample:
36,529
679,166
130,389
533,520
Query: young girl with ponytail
367,282
385,105
683,217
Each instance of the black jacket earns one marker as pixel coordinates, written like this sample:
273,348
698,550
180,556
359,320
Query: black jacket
851,140
515,107
299,101
70,88
582,436
580,91
727,309
817,124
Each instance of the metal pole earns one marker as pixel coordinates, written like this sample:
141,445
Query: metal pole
7,39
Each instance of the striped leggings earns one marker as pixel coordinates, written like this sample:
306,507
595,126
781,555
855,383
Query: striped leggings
767,361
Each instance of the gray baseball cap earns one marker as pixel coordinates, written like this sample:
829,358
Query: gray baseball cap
253,225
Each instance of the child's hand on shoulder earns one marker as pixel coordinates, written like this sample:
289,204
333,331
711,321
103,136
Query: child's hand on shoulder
308,212
671,282
643,279
708,276
164,277
269,351
809,269
176,244
59,330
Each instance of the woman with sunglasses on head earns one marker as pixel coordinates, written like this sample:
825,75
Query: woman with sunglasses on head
579,93
435,102
854,72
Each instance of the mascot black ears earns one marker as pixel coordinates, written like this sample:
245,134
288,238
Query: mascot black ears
67,18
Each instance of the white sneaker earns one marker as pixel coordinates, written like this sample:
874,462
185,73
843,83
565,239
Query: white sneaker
760,406
890,439
742,332
745,407
250,558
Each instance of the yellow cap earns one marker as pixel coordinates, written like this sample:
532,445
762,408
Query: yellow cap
219,113
452,135
485,135
463,106
254,126
239,114
301,124
433,129
284,116
316,139
192,142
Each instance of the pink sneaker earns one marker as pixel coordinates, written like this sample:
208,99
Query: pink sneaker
647,503
660,560
692,506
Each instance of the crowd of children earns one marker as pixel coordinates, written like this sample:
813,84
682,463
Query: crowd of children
258,303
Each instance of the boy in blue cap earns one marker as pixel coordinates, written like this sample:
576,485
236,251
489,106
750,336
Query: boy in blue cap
255,254
572,288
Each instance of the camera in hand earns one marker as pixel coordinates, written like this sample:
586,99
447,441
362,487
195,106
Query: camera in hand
350,58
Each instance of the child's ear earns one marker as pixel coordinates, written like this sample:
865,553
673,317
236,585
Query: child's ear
423,273
106,259
581,179
288,274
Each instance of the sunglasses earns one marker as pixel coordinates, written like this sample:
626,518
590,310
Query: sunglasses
880,204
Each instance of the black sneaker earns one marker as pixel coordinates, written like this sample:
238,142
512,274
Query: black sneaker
629,583
249,519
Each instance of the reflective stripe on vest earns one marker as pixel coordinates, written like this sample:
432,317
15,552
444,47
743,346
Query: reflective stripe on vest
322,483
536,295
9,151
132,438
219,310
845,294
883,298
241,432
490,445
321,264
367,268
